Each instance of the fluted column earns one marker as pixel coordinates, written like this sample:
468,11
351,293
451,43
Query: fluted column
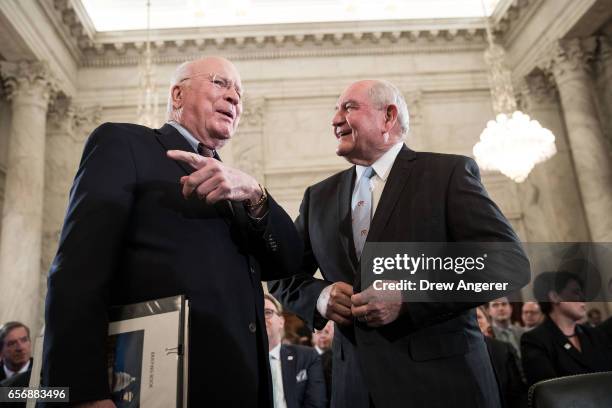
550,198
67,127
29,86
589,150
603,62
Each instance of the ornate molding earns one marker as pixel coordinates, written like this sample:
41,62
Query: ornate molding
253,112
508,14
536,89
72,120
567,57
32,79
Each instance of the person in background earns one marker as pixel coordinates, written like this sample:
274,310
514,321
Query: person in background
511,386
560,346
15,353
297,374
531,315
500,311
322,342
594,317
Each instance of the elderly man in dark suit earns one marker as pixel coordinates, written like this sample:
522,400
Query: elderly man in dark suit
15,352
149,218
297,373
390,353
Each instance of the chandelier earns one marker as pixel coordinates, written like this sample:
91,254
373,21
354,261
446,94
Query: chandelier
513,143
148,106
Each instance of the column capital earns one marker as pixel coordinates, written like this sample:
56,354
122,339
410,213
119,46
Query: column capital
66,117
604,54
535,89
569,57
32,79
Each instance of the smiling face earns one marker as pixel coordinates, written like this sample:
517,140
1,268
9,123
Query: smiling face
207,101
361,127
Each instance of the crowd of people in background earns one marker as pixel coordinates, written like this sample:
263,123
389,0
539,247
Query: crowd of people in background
545,340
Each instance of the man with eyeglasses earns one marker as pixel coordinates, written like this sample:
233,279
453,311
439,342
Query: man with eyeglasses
297,373
155,213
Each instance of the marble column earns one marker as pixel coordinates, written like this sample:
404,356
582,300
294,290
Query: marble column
550,198
603,63
589,149
68,126
248,143
30,86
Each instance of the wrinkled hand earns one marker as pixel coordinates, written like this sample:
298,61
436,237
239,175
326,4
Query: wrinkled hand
377,307
214,181
334,303
97,404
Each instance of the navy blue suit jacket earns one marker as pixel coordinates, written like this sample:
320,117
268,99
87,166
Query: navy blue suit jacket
303,380
130,236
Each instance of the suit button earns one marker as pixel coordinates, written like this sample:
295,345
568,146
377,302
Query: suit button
252,327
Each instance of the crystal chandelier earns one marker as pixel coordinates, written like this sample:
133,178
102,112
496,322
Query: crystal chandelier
148,107
513,143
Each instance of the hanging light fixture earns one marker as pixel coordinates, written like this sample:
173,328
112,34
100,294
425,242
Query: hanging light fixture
148,107
513,143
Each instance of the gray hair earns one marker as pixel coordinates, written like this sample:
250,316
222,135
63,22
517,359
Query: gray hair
384,93
8,327
180,74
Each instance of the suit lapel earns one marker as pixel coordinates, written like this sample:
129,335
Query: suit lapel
344,216
564,343
171,139
289,373
396,182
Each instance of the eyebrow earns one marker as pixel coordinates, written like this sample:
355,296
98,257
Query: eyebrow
343,104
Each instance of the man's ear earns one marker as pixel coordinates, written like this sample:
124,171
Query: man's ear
390,117
177,96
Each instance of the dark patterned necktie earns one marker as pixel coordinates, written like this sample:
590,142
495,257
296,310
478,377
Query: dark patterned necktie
205,151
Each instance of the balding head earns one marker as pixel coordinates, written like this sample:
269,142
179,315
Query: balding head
205,98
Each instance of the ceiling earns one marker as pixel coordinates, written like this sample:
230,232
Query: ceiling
115,15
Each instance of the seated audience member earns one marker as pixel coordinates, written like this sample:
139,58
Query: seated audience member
15,353
594,317
500,311
560,346
322,342
297,374
512,389
531,315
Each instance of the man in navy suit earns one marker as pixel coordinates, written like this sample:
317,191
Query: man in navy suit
154,213
297,373
388,353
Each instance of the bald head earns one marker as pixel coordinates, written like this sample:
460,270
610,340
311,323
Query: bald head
205,98
189,68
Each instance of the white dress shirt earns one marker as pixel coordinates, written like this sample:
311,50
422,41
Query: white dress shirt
277,378
382,168
10,373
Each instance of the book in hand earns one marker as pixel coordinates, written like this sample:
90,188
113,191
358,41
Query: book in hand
147,354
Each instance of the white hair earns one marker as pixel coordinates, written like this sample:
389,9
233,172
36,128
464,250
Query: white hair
182,71
385,93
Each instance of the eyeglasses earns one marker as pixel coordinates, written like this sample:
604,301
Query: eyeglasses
268,313
219,82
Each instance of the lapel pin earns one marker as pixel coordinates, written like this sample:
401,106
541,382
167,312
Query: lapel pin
289,358
567,346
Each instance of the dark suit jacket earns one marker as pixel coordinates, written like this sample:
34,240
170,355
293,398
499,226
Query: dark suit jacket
434,353
303,382
130,236
511,387
18,380
547,353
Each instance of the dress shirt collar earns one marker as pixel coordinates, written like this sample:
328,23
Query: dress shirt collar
193,142
383,165
275,352
10,373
